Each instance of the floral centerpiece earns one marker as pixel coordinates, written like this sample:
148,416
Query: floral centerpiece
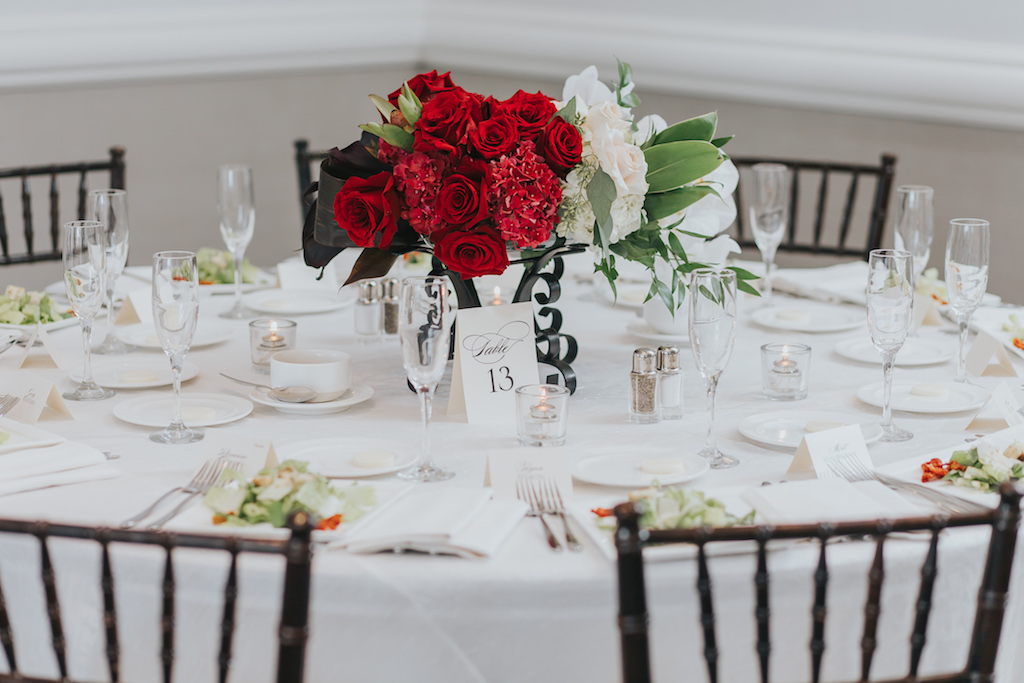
469,178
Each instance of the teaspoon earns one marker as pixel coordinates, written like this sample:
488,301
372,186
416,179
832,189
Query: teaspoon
283,394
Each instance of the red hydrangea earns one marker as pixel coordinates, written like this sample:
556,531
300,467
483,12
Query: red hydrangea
419,178
524,196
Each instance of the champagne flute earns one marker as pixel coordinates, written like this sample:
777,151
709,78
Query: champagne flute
712,326
425,321
175,313
915,224
110,207
966,276
769,213
237,210
84,272
890,297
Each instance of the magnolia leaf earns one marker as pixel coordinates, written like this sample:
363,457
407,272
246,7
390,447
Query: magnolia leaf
664,204
383,106
720,142
373,129
371,263
601,193
698,128
410,110
568,112
410,95
399,137
675,164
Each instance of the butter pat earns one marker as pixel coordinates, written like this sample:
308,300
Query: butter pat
662,466
197,414
929,391
822,425
373,460
792,314
139,377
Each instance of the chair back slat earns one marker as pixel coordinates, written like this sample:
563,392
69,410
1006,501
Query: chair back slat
762,613
880,206
819,212
6,635
54,213
929,570
707,614
83,192
3,229
294,630
53,606
26,213
633,618
304,160
167,616
794,203
872,608
227,622
110,615
851,198
819,610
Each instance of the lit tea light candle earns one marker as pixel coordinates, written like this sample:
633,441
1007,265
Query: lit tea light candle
267,337
497,300
273,340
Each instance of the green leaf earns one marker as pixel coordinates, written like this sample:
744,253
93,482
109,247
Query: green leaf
568,112
720,142
601,193
373,129
698,128
675,164
742,274
664,204
676,246
410,110
745,286
666,292
399,137
707,293
383,106
410,95
625,72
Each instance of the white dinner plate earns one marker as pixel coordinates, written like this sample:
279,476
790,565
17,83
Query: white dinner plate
624,469
958,397
135,372
333,457
197,410
915,351
810,318
49,327
25,436
298,301
357,393
787,428
644,331
143,335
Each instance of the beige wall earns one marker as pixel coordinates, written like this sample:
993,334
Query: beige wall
177,133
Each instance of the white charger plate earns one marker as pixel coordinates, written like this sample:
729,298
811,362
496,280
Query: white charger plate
959,397
143,335
810,318
644,331
197,410
25,436
915,351
298,301
355,394
787,428
115,374
624,469
333,457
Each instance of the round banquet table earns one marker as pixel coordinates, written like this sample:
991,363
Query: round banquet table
526,613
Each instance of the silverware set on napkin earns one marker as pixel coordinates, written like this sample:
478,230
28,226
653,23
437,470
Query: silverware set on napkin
7,403
544,498
203,480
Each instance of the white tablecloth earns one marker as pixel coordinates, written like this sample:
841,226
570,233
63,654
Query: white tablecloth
526,614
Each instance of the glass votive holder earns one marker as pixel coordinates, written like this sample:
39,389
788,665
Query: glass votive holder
267,336
784,369
541,414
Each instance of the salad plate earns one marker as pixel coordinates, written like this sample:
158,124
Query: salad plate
355,394
49,327
17,436
814,318
641,329
144,336
298,301
135,373
338,458
197,410
787,428
627,469
927,397
915,351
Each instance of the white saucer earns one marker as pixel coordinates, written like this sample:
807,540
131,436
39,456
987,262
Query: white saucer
623,469
959,397
810,318
333,457
787,428
915,351
644,331
156,411
143,335
298,301
149,372
357,393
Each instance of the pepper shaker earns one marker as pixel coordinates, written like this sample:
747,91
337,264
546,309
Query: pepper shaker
389,301
643,387
670,383
368,312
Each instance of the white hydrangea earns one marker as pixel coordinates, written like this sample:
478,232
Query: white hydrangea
576,217
627,216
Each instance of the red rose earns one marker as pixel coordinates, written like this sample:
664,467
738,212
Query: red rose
462,199
471,253
561,145
367,209
495,136
446,121
425,86
531,112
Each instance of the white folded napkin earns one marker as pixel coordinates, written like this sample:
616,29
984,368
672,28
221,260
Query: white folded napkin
451,521
842,282
76,476
829,500
66,463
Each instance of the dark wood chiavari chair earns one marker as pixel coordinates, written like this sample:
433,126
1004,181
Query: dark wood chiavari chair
305,161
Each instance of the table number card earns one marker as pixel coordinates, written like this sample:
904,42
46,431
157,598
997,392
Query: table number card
506,465
39,397
255,454
819,448
979,358
31,357
1005,403
926,310
494,354
137,307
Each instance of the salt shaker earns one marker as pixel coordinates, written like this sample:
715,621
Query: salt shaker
670,383
643,387
368,312
389,301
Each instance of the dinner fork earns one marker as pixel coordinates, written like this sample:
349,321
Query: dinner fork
850,468
551,498
195,488
197,480
526,493
7,402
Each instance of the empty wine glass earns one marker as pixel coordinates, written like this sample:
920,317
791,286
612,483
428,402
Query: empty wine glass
110,207
712,325
425,321
966,276
914,224
84,272
769,213
237,209
890,296
175,313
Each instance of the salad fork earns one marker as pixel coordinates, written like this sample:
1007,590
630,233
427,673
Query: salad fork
526,492
7,402
553,505
198,479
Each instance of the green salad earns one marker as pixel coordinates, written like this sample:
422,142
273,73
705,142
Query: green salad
217,267
19,307
275,492
676,508
984,467
4,435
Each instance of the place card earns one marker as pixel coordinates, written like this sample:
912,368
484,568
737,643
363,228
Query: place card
926,310
39,397
819,448
137,307
31,356
506,465
494,354
1008,407
255,454
297,275
979,358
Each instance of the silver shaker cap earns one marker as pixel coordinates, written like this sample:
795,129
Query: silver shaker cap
644,360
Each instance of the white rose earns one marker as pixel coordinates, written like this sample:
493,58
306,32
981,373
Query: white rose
624,163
